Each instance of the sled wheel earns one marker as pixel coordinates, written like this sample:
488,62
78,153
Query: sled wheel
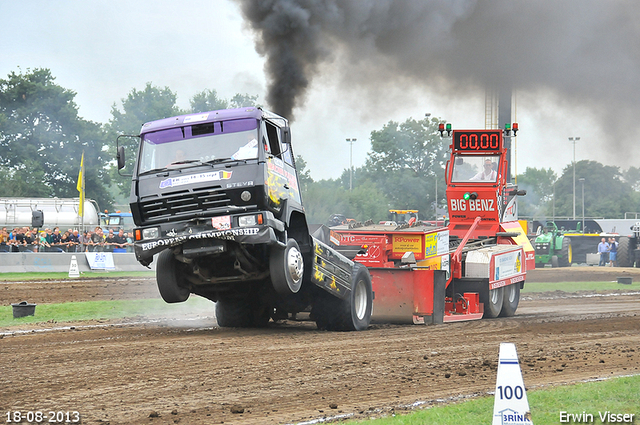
511,299
492,300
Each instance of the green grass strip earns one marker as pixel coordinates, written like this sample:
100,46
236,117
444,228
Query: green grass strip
97,310
618,396
13,277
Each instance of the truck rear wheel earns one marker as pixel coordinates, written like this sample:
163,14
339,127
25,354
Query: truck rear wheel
361,300
492,300
511,299
169,279
242,312
233,313
352,314
287,268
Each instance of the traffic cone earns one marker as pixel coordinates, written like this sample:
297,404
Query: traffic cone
74,271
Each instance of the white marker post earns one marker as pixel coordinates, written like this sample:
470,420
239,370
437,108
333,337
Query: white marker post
74,270
510,406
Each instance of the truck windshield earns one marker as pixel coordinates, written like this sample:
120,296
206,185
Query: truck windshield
201,143
468,168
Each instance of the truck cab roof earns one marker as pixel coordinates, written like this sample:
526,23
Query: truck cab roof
210,116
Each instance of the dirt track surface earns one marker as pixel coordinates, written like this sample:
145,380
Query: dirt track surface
189,371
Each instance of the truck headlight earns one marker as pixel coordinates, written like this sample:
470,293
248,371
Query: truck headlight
250,220
150,233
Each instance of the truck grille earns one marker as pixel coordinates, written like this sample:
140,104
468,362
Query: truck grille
182,203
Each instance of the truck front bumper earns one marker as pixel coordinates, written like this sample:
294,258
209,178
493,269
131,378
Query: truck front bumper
174,234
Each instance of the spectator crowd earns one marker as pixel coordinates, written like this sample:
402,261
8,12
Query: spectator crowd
47,240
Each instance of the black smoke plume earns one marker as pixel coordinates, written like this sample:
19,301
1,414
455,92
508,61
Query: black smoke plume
584,53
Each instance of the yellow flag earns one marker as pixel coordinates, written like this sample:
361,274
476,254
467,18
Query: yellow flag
81,174
80,186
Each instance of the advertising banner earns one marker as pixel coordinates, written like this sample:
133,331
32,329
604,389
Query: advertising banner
100,260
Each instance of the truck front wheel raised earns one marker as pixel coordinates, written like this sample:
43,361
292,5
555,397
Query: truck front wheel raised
492,300
287,268
169,279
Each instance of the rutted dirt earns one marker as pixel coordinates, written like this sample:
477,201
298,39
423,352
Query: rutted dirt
191,372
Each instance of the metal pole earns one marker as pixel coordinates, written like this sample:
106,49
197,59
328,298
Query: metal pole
582,181
350,141
574,176
574,140
553,205
351,164
426,118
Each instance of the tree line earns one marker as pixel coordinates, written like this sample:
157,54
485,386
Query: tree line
42,138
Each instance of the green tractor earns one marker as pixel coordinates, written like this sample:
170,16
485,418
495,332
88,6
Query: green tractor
552,247
629,248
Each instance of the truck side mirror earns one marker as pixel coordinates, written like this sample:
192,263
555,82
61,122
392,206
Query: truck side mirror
120,157
286,154
286,135
120,154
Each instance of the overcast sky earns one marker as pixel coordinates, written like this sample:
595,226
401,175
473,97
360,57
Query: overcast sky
102,50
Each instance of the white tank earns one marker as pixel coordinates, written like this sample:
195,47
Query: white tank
58,212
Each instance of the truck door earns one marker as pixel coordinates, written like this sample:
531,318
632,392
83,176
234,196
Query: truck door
282,180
